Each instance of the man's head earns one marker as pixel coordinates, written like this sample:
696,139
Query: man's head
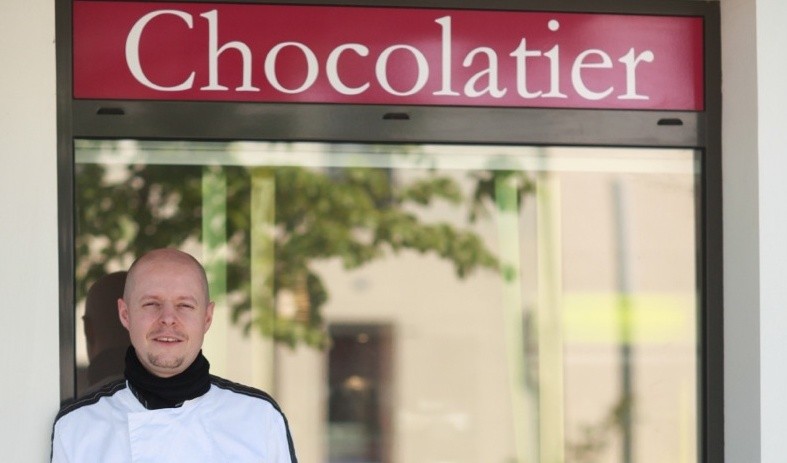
166,309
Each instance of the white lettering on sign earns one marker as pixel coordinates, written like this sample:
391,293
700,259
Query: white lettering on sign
445,54
311,67
132,51
483,61
332,69
581,63
381,70
489,74
631,63
214,52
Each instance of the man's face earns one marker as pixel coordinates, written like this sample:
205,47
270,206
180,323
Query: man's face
166,313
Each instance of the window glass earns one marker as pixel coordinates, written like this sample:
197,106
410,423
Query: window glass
420,303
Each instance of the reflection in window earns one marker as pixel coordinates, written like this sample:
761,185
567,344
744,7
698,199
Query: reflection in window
427,303
359,375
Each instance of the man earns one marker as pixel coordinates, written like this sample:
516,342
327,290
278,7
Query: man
169,408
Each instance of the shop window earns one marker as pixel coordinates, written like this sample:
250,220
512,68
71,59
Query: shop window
425,302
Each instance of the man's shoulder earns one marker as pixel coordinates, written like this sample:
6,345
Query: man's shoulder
243,390
90,398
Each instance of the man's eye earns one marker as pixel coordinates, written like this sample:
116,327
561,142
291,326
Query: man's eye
150,304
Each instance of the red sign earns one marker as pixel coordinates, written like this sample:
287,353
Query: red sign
403,56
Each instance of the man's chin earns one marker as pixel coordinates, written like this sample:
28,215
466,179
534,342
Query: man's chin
165,366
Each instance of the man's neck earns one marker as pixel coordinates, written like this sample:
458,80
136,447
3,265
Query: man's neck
155,392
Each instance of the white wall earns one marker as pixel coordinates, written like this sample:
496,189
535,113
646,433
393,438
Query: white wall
741,243
772,154
29,376
755,226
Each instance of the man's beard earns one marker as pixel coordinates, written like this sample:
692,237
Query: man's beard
166,363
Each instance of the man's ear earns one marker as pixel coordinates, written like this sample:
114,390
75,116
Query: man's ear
209,315
123,312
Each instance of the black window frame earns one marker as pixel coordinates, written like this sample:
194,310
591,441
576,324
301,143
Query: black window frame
701,130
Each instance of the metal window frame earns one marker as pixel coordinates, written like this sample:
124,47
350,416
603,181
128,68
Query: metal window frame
427,124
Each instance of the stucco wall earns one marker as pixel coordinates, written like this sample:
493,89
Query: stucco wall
29,376
755,227
772,160
740,176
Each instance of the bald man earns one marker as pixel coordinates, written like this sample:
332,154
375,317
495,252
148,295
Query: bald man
169,408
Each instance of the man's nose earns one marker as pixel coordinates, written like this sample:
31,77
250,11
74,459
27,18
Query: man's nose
168,315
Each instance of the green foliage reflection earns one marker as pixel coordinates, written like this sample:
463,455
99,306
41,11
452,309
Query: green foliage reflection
357,215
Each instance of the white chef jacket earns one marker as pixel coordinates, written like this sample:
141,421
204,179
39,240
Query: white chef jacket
229,423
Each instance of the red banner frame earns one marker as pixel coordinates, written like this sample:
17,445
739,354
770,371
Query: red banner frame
372,55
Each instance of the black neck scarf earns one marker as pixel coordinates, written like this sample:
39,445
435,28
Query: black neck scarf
155,392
